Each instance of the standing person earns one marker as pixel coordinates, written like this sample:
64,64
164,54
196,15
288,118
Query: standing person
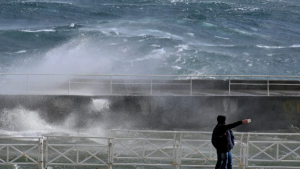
223,140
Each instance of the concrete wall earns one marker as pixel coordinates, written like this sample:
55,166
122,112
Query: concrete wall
167,113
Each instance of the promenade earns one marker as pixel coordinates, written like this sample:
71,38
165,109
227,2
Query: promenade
149,85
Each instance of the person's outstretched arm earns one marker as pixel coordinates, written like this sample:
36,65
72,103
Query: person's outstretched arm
233,125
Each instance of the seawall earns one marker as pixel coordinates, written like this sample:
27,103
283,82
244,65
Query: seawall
163,112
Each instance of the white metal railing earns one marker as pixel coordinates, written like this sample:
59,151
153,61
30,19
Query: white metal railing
23,151
148,85
150,148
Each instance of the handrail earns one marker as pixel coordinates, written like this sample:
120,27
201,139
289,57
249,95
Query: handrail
158,148
155,75
148,85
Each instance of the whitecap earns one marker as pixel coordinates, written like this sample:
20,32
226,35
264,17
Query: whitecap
21,51
178,60
40,30
155,54
72,25
295,46
156,46
176,67
191,34
242,32
181,47
206,24
270,47
220,37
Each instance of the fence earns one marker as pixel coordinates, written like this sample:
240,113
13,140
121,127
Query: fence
128,148
148,85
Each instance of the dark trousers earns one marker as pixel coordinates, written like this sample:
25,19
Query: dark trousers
224,161
229,161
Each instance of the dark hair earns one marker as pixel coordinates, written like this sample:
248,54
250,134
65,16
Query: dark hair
221,119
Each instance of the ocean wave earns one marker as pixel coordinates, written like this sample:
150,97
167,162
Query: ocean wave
40,30
295,46
21,51
278,47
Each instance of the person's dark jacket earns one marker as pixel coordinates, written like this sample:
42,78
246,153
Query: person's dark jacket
230,138
220,136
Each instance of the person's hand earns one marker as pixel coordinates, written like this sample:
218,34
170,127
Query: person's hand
245,121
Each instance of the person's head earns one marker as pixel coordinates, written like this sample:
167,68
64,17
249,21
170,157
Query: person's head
221,119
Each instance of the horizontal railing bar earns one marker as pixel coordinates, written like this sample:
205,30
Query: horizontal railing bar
22,163
275,142
8,137
130,83
49,136
17,144
148,158
76,145
159,131
275,84
191,159
77,164
183,139
278,161
253,84
148,75
281,167
142,164
200,132
152,139
185,165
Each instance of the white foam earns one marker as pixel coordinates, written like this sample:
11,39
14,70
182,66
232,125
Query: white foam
41,30
21,51
271,47
206,24
220,37
176,67
21,119
181,47
191,34
155,54
178,60
295,46
156,46
100,104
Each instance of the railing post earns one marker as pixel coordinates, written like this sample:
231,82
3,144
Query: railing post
177,151
229,81
7,155
244,155
46,153
177,155
41,151
247,150
268,86
110,153
241,147
277,151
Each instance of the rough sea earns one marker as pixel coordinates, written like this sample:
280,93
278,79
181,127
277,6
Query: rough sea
238,37
160,37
